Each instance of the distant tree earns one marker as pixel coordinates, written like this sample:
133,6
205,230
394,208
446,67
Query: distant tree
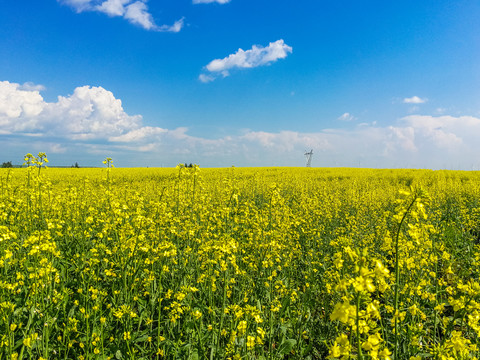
7,164
190,166
76,165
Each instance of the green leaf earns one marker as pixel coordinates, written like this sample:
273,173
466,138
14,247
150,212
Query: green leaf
287,346
118,355
142,338
194,355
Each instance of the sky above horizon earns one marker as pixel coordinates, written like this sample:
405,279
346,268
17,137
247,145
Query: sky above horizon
240,82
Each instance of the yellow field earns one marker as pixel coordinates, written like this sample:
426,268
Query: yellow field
255,263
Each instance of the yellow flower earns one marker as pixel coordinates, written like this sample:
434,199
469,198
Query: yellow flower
250,342
242,327
372,342
28,340
342,312
334,351
385,354
197,314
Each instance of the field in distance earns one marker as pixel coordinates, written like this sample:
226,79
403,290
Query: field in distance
239,263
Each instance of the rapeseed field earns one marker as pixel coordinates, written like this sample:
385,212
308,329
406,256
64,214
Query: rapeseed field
250,263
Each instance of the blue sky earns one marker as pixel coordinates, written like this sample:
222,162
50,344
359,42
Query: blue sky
240,82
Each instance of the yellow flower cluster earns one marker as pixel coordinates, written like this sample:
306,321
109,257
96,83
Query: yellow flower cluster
266,263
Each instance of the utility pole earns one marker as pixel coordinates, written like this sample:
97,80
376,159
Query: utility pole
308,156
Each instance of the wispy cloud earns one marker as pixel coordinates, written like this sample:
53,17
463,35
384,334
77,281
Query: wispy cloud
206,78
136,12
112,7
30,86
78,5
210,1
346,117
414,100
176,27
245,59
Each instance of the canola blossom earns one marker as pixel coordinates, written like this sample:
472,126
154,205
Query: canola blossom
249,263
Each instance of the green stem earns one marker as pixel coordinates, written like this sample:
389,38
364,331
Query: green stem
223,309
357,320
397,277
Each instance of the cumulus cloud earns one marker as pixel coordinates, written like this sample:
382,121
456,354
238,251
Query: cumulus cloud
414,100
18,108
136,12
245,59
93,121
210,1
346,117
90,112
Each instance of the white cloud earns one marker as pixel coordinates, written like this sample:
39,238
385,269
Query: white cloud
446,132
414,100
415,141
55,148
256,56
16,104
400,137
113,7
176,27
91,121
138,134
136,12
30,86
93,112
346,117
90,112
206,78
210,1
78,5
